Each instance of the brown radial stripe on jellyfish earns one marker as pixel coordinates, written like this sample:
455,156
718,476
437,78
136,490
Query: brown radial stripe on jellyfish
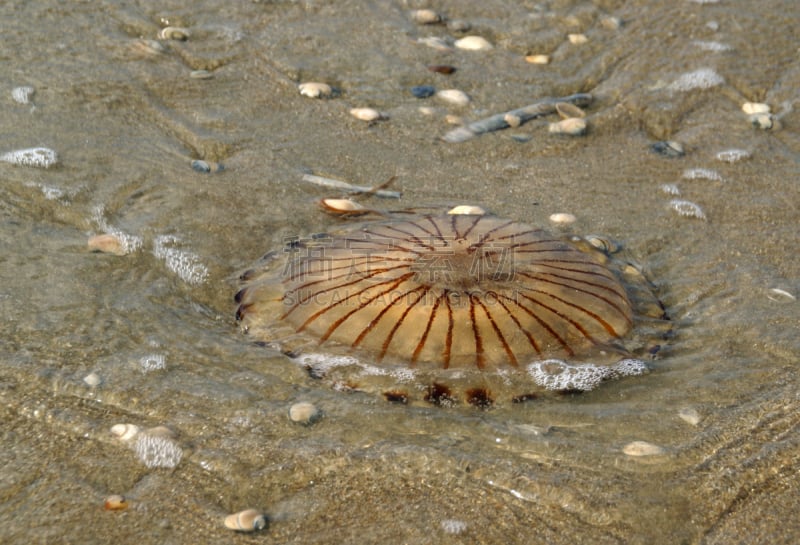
458,291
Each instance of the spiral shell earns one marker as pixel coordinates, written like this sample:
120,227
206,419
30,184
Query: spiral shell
125,432
249,520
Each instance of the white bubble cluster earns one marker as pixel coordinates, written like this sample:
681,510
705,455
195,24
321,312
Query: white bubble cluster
559,375
152,362
733,155
670,189
325,362
716,47
22,94
687,209
31,157
453,526
185,264
704,78
157,451
702,174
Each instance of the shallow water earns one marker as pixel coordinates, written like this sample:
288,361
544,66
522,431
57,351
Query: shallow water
157,326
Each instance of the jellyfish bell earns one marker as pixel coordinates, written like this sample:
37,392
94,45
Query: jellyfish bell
450,307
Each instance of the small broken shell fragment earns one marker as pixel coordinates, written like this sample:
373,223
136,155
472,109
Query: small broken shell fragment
125,432
537,59
92,379
454,96
466,210
642,448
343,207
562,218
108,244
572,126
304,413
425,17
668,148
174,33
751,108
367,114
115,502
567,110
780,296
764,121
201,74
249,520
315,89
513,121
144,46
577,39
473,43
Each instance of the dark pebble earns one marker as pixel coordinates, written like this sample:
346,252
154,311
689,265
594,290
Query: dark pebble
202,166
668,148
423,91
442,68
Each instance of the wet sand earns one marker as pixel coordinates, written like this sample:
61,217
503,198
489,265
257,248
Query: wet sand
126,120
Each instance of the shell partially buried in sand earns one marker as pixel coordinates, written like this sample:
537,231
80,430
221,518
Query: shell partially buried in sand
453,307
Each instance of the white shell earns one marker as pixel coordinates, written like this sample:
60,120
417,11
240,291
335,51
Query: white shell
567,110
92,379
304,413
577,39
366,114
538,59
108,244
115,502
779,296
314,89
174,33
454,96
473,43
573,126
342,206
466,210
689,415
751,108
563,218
425,17
248,520
125,432
642,448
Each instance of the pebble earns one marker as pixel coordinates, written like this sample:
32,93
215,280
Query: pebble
125,432
604,244
249,520
538,59
315,89
733,155
473,43
367,114
304,413
687,209
466,210
92,379
115,502
31,157
689,415
201,74
642,448
174,33
562,218
23,94
108,244
423,91
442,68
573,126
204,167
751,108
425,17
577,39
454,96
512,120
668,148
567,110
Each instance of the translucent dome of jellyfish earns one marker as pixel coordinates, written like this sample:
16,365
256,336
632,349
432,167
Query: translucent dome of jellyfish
453,309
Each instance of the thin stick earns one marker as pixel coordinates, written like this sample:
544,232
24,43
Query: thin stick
350,188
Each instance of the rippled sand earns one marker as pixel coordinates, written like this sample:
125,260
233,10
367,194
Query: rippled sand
126,119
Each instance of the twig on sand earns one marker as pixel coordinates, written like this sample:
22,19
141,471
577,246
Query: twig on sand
350,188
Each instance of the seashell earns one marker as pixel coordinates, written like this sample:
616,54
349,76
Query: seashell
573,126
115,502
174,33
668,148
454,96
751,108
249,520
367,114
567,110
204,167
23,94
304,413
537,59
148,47
690,416
642,448
201,74
473,43
343,207
125,432
604,244
108,244
512,120
563,218
577,39
451,119
314,89
425,17
442,68
92,379
426,110
466,210
764,121
423,91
